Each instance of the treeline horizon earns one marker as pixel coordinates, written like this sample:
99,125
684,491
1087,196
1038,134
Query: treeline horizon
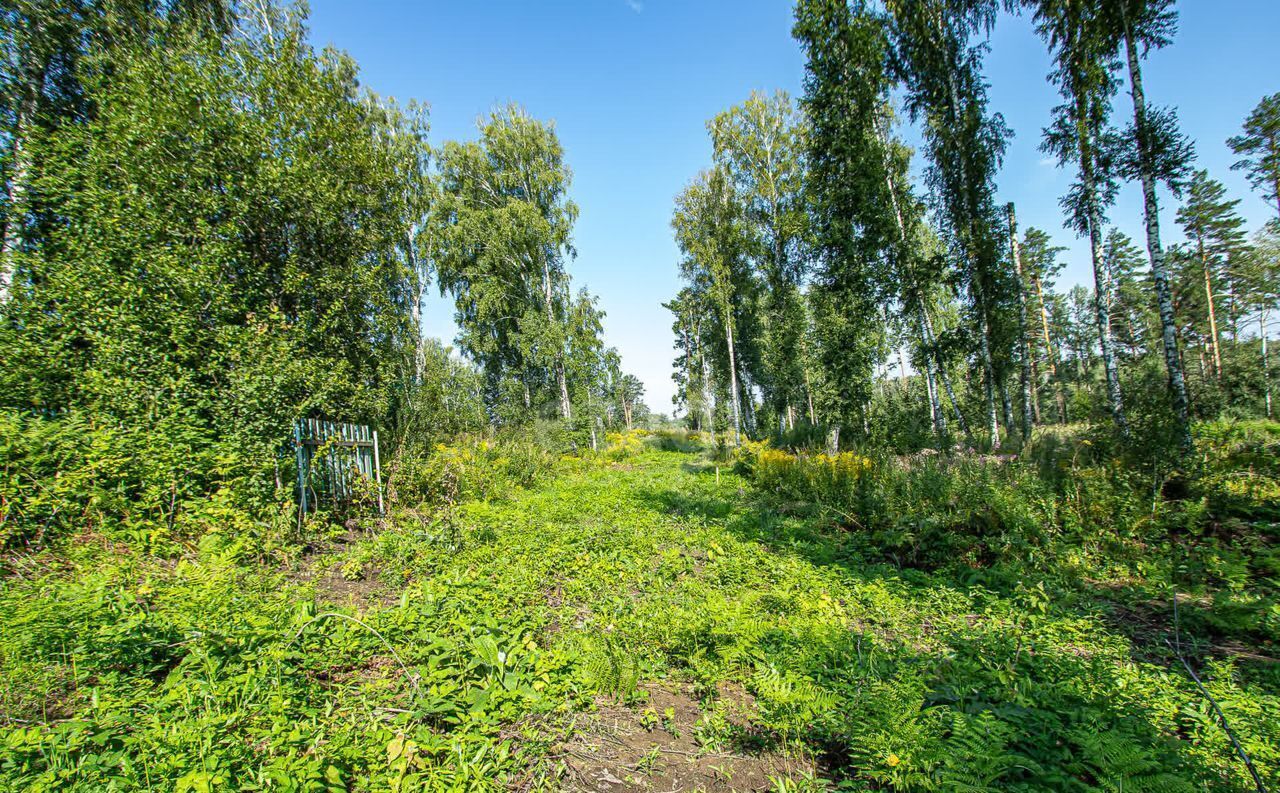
813,266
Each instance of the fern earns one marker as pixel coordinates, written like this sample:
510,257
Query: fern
611,667
1120,764
977,757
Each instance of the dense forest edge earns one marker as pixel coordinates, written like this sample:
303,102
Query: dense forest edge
920,518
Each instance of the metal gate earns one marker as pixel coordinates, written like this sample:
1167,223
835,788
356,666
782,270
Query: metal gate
332,457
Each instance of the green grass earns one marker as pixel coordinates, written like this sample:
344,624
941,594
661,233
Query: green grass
125,672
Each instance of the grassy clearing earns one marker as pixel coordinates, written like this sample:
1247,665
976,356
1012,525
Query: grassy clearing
506,648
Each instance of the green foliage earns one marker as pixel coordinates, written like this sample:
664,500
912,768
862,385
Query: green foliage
442,401
157,487
215,252
211,230
675,441
470,468
845,83
1010,668
503,236
760,144
1259,148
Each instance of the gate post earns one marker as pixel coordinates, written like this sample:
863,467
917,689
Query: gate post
302,466
377,472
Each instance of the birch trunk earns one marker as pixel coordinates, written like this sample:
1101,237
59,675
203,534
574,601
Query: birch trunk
942,373
415,305
1027,407
733,379
708,409
1006,405
565,406
984,345
16,194
936,416
561,380
1155,250
1050,352
1105,344
935,410
1266,368
1093,213
808,392
988,376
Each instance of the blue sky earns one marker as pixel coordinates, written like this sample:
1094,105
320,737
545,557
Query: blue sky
631,83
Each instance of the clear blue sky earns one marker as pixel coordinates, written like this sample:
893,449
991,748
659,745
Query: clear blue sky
631,83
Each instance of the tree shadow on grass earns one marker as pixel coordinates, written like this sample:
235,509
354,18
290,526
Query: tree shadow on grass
1143,617
1038,693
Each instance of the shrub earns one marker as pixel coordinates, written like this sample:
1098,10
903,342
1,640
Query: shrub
675,441
621,445
470,468
839,481
151,484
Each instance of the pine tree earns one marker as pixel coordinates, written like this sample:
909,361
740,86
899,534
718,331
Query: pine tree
1259,148
1126,294
1039,260
1260,284
1216,234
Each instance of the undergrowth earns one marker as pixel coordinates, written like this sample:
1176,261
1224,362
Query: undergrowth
911,624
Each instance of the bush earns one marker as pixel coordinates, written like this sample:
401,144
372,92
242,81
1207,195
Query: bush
675,441
470,468
834,480
621,445
155,485
923,511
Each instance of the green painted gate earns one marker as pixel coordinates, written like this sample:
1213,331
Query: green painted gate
333,458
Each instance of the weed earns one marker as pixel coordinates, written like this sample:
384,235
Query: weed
982,625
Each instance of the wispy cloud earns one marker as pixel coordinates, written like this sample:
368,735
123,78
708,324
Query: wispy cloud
1047,162
636,5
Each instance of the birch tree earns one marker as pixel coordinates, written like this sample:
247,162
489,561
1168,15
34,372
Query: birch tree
502,234
759,146
1158,153
707,224
43,67
1015,256
846,82
1083,49
941,69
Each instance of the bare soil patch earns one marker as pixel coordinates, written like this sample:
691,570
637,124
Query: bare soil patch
331,585
653,747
